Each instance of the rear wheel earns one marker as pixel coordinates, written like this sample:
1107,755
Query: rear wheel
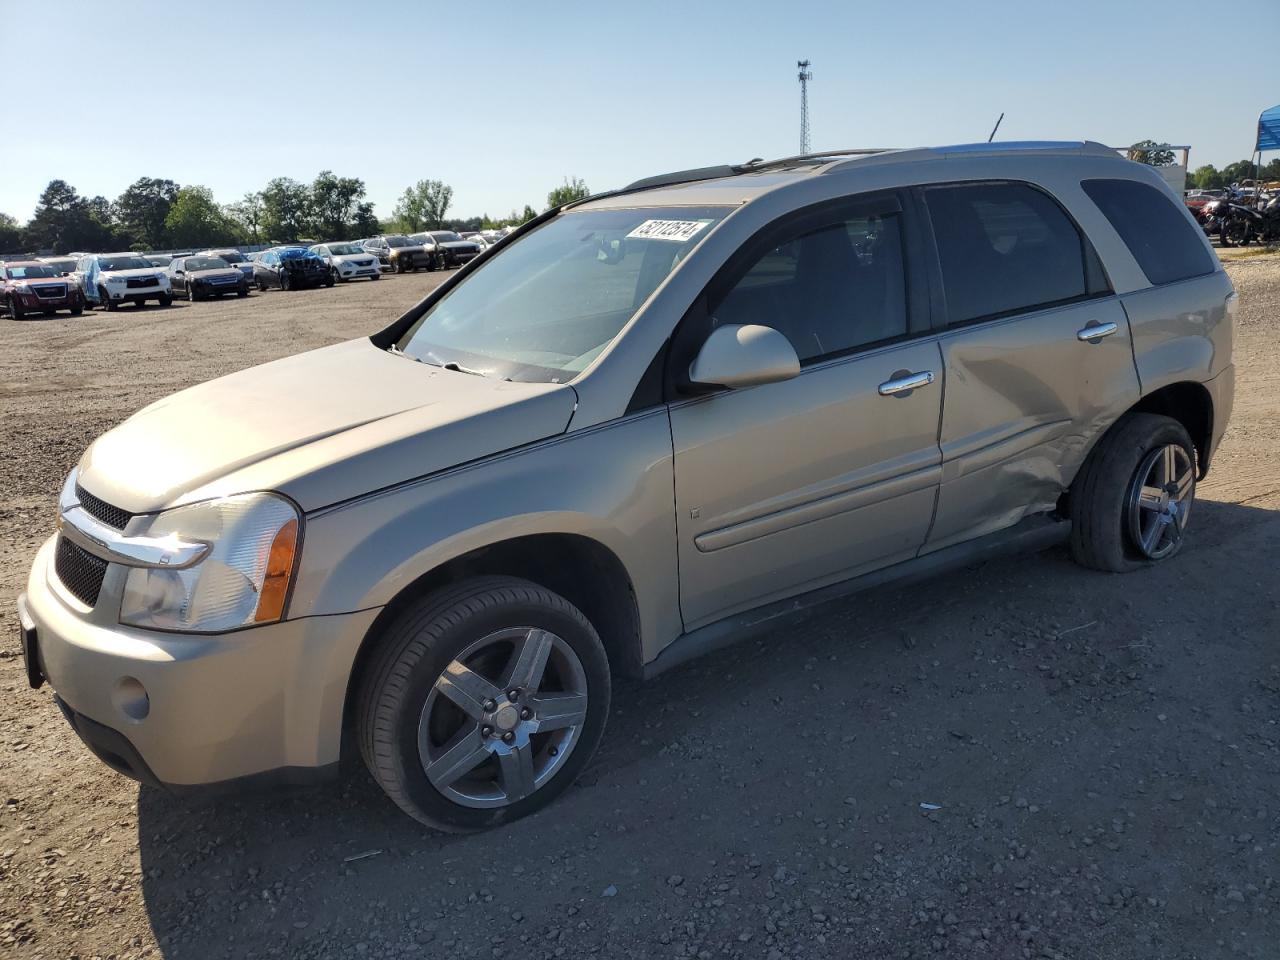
1132,501
484,702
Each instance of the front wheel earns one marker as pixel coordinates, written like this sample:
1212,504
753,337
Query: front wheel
483,703
107,302
15,309
1132,500
166,300
284,280
335,276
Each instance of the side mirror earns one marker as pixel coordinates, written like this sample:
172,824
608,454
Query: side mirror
65,274
740,355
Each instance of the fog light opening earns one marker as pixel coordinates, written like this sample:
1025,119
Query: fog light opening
130,697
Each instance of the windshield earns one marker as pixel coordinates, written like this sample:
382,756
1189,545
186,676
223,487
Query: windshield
342,249
445,236
231,256
543,307
161,261
123,263
294,253
31,272
206,263
398,242
61,265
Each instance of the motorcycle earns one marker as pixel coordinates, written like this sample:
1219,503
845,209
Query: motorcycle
1268,229
1234,223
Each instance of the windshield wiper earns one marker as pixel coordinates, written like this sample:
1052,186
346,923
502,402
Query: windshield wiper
431,360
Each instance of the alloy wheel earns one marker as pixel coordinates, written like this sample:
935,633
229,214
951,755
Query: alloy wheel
503,717
1160,498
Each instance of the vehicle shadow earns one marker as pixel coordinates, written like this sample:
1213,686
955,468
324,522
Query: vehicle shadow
859,710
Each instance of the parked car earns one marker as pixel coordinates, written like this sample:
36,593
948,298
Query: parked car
110,279
242,262
290,268
401,253
346,261
161,260
30,286
429,244
456,251
200,278
484,241
63,266
656,421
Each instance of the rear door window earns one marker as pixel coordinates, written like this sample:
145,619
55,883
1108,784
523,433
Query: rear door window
1158,234
1006,248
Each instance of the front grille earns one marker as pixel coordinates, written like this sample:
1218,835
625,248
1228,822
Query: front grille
51,291
138,283
101,510
79,570
224,280
364,263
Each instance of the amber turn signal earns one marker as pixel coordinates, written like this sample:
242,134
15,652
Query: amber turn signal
275,586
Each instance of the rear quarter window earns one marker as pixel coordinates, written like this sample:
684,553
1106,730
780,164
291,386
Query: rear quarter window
1157,233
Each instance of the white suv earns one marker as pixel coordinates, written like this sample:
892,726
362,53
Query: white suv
109,279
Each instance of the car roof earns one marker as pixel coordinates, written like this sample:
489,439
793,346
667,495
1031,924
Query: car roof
23,263
735,185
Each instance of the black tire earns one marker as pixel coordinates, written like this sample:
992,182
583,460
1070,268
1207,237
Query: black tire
77,310
15,309
284,280
242,292
337,277
376,276
108,304
191,293
1099,498
166,300
413,653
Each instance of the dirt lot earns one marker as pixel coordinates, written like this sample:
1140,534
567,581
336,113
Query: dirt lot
1103,750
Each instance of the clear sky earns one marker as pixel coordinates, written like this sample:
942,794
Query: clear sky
502,100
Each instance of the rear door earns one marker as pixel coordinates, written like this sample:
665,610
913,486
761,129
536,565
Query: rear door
1037,351
788,486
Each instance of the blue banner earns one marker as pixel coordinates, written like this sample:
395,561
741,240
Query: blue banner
1269,130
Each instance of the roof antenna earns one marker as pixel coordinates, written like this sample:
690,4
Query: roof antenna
995,128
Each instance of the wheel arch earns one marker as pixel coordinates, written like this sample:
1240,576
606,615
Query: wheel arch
1190,403
581,569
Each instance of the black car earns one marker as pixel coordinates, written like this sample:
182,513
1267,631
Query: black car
456,251
203,277
400,252
290,268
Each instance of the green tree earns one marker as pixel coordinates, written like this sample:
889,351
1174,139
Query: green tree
1235,172
425,204
573,188
334,202
247,215
143,208
529,214
65,221
1151,153
10,234
365,223
1206,177
196,220
285,207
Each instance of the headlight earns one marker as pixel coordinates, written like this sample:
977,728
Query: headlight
119,280
243,580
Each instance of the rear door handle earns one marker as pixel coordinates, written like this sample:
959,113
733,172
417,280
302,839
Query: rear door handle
904,382
1096,331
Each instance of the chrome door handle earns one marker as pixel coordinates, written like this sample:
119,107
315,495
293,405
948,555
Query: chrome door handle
905,383
1096,331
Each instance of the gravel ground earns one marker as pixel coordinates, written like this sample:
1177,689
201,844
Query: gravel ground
1024,759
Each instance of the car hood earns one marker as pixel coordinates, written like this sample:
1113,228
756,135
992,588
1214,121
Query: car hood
412,248
234,272
320,427
126,274
459,244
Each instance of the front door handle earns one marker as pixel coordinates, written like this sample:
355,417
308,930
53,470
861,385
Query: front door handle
904,382
1096,331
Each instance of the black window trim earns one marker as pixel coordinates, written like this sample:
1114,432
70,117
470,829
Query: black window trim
942,310
695,326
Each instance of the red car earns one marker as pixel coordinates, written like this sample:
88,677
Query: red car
29,286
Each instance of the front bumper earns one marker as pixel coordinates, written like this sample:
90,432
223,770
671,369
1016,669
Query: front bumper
259,704
29,301
136,294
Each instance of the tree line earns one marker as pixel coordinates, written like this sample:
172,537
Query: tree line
159,214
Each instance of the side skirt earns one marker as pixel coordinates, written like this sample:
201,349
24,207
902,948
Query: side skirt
1029,535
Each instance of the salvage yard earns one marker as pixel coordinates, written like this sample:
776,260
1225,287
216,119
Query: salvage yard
1023,759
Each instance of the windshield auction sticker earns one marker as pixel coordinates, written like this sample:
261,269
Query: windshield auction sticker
681,231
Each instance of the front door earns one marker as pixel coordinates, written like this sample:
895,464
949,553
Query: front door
789,486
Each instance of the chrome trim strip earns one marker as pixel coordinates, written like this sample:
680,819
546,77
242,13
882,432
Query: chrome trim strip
110,544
